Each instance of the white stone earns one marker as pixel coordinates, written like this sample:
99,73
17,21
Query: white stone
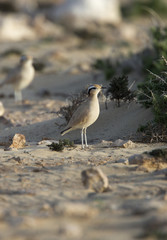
104,11
15,28
123,143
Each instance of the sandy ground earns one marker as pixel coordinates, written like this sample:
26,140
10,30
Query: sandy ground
41,192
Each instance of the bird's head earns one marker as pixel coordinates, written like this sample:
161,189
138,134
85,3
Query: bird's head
26,59
94,89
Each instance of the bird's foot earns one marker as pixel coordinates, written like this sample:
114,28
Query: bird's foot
85,146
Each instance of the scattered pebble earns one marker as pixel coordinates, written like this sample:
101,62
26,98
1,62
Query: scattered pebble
45,207
83,13
123,143
95,179
18,141
46,142
22,28
121,160
138,159
85,67
148,162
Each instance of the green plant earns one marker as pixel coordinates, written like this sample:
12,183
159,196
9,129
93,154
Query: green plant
160,109
151,89
39,66
56,146
59,147
67,142
154,62
118,89
162,153
142,7
152,92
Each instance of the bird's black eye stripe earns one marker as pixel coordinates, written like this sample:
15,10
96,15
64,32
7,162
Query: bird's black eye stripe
90,88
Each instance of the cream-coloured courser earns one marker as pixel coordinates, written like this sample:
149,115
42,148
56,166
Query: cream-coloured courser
86,114
21,76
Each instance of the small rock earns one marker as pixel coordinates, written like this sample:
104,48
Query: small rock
84,12
94,178
105,144
21,26
137,159
46,142
75,210
85,67
46,207
148,162
70,230
123,143
18,141
124,161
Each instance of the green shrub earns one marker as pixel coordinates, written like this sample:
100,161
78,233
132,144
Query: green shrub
59,147
154,62
160,109
118,89
139,8
152,91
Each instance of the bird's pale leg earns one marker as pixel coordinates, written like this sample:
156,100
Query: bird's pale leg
82,138
18,95
86,143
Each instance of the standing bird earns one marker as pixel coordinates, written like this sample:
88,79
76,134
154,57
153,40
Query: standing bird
21,76
86,114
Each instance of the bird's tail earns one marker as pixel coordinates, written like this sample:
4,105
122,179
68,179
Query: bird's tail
66,131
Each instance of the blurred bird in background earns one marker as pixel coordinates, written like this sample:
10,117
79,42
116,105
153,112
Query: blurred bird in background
21,76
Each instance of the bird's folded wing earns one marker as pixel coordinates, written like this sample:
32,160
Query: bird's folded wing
80,116
12,77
